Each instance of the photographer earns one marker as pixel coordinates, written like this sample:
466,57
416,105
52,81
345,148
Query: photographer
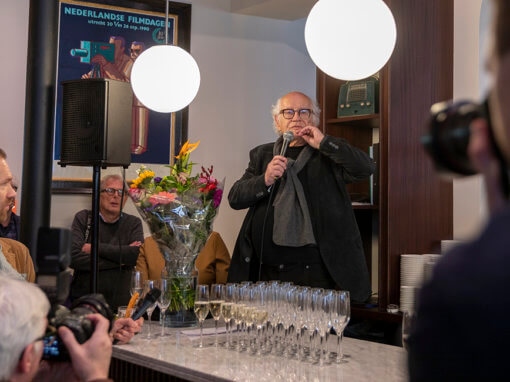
461,332
23,311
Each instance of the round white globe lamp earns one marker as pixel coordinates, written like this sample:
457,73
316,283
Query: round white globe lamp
350,39
165,78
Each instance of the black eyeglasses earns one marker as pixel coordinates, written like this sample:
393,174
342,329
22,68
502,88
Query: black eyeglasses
112,191
289,113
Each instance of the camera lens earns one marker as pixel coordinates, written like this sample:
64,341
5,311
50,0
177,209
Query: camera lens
449,132
77,321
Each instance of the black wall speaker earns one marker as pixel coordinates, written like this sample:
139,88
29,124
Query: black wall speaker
96,123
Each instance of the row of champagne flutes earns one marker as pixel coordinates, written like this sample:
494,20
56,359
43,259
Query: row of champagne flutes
143,288
274,317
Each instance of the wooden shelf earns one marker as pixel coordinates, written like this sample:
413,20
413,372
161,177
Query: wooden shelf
365,207
375,314
414,205
370,121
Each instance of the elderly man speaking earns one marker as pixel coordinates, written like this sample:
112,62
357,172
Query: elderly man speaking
308,234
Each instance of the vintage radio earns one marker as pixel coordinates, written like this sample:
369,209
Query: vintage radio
359,97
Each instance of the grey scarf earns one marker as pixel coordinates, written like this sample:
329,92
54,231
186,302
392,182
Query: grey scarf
292,224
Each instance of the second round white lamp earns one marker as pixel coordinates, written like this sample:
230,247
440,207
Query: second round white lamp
350,39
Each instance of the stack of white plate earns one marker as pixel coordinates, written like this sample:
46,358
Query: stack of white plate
411,270
447,245
411,278
408,298
430,262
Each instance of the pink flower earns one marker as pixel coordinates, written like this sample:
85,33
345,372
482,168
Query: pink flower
217,197
136,194
162,198
182,177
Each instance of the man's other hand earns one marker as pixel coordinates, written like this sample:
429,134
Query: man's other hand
90,360
125,328
312,135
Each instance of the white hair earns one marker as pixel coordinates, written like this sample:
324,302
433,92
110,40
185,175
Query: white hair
117,177
314,119
23,310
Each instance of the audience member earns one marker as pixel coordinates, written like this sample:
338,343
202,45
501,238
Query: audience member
461,331
23,311
15,259
119,239
9,228
212,262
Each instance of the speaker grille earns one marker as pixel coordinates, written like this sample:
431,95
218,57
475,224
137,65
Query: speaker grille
83,121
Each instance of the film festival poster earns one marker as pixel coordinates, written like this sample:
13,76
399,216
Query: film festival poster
103,41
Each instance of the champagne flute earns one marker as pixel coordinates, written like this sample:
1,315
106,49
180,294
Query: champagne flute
164,300
149,285
341,318
407,325
202,307
136,283
227,310
217,300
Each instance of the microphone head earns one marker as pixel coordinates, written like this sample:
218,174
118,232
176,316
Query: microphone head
288,136
153,295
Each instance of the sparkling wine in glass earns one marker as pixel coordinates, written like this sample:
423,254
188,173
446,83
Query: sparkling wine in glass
227,310
202,307
149,285
136,283
217,299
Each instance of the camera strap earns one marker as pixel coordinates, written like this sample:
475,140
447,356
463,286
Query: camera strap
89,225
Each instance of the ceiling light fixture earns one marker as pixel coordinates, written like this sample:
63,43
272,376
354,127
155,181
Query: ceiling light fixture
350,39
165,78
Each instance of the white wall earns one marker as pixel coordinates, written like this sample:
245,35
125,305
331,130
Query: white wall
246,63
14,29
469,211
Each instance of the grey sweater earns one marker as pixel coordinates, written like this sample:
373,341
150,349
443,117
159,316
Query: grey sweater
116,258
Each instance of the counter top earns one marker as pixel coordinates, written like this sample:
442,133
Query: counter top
177,354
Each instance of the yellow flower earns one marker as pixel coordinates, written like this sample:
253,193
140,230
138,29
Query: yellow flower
187,148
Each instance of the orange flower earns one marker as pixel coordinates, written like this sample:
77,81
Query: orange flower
187,148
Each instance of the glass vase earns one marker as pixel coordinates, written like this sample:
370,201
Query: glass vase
180,312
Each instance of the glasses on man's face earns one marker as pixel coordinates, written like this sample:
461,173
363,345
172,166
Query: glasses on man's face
112,191
289,113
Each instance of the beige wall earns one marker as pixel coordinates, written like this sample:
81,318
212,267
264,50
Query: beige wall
468,207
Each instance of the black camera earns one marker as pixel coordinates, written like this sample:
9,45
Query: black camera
448,135
54,277
76,320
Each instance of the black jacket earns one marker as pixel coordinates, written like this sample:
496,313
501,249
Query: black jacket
338,239
462,331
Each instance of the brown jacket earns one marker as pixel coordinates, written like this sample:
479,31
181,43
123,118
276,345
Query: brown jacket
18,256
212,262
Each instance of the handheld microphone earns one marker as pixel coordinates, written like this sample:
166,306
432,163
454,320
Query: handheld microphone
288,137
147,302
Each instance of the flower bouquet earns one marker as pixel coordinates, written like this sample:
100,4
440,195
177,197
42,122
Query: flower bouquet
179,209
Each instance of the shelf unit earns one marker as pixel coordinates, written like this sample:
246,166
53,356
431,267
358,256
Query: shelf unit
414,207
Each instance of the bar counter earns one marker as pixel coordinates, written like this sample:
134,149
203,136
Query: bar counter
177,357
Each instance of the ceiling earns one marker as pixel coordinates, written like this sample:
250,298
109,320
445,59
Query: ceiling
275,9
